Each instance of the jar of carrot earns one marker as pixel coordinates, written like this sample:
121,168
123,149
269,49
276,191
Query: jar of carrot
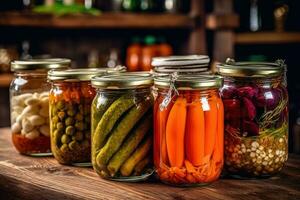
188,129
70,102
29,104
256,121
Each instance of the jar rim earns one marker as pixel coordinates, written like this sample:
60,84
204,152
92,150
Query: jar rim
180,60
189,82
81,74
251,69
40,64
126,80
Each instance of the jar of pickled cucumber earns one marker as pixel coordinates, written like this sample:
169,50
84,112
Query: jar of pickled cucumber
188,129
70,102
29,104
256,118
122,126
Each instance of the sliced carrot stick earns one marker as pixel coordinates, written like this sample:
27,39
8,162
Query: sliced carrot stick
190,178
195,133
175,132
210,127
189,167
218,154
178,172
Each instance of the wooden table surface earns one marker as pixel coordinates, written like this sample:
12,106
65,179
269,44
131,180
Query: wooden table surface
23,177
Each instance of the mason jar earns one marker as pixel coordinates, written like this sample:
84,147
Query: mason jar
122,126
29,104
188,129
255,99
70,102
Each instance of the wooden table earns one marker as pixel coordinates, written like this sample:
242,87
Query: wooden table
23,177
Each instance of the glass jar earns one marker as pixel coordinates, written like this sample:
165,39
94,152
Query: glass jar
70,102
29,105
122,126
256,118
188,129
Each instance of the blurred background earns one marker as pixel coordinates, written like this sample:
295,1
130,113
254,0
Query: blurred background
99,33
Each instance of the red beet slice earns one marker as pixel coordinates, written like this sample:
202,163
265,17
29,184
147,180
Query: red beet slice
228,92
247,91
232,108
249,110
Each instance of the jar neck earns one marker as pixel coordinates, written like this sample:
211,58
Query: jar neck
31,73
261,81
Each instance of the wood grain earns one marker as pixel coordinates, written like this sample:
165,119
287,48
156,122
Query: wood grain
105,20
267,38
23,177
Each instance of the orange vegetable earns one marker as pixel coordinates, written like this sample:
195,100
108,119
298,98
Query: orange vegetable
195,133
210,127
189,167
219,146
175,132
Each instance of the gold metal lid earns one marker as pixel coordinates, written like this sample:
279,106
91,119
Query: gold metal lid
251,69
81,74
179,61
127,80
40,64
189,82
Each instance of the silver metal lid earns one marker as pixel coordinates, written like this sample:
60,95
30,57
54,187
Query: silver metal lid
127,80
81,74
41,64
251,69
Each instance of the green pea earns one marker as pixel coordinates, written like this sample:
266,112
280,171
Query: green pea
55,119
65,139
70,130
60,126
69,121
79,117
73,145
71,112
79,125
61,115
78,136
53,110
64,148
60,105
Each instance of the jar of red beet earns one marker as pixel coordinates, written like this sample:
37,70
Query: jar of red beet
255,101
188,129
29,105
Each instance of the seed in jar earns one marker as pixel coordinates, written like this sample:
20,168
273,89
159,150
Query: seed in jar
265,163
248,150
69,121
271,155
254,160
255,144
259,161
240,152
60,126
253,148
270,150
252,154
276,160
244,150
73,145
266,158
61,115
60,105
71,112
280,140
257,151
271,162
64,148
263,154
261,148
277,152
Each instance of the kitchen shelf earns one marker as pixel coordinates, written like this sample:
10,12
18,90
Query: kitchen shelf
24,177
104,20
5,79
267,38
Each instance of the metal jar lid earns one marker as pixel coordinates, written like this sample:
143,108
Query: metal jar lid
181,64
81,74
251,69
127,80
189,82
40,64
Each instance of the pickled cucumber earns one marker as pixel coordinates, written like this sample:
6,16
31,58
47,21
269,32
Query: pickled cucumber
136,157
129,145
139,168
109,118
120,132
